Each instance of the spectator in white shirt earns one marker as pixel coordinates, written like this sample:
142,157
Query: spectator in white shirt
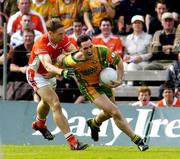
136,45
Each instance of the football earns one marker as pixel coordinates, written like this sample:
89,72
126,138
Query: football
107,75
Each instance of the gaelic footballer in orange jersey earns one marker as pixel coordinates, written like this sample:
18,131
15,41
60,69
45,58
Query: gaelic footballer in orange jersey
41,74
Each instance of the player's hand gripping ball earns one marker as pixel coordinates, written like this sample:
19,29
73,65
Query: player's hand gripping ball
108,75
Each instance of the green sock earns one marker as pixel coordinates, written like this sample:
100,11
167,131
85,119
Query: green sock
95,124
136,139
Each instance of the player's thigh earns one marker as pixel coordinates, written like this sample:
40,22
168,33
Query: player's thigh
104,103
48,95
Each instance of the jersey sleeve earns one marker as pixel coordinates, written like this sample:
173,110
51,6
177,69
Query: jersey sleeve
110,56
69,61
113,58
40,49
66,42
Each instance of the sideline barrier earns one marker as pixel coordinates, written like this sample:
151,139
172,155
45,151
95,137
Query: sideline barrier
16,118
142,76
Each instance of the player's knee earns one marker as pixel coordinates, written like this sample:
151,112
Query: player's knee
56,106
114,112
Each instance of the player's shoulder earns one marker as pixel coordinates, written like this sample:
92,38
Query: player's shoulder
100,46
42,40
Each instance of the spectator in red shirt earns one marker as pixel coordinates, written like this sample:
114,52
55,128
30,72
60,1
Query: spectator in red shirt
24,8
169,99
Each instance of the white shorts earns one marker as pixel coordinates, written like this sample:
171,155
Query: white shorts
37,80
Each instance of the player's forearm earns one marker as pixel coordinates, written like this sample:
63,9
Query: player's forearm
120,70
53,69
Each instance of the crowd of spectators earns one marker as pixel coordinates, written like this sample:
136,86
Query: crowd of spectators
146,33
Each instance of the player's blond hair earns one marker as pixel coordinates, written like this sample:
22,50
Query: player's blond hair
53,24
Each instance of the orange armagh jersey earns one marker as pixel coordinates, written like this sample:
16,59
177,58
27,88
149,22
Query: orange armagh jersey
44,46
113,42
162,103
87,72
73,40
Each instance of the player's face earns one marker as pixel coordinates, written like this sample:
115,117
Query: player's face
86,48
144,98
58,35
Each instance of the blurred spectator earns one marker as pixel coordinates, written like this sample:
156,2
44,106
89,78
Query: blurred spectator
136,46
107,38
10,7
94,12
154,23
24,8
3,16
125,11
165,44
176,19
178,27
9,50
173,76
173,6
17,37
77,31
68,10
169,98
144,95
44,7
18,88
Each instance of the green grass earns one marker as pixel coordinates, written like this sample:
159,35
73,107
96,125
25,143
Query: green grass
93,152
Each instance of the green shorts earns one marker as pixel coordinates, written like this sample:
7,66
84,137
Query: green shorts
94,91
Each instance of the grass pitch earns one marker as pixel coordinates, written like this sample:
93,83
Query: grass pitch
93,152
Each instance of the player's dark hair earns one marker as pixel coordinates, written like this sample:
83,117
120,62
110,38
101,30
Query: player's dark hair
83,38
53,24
